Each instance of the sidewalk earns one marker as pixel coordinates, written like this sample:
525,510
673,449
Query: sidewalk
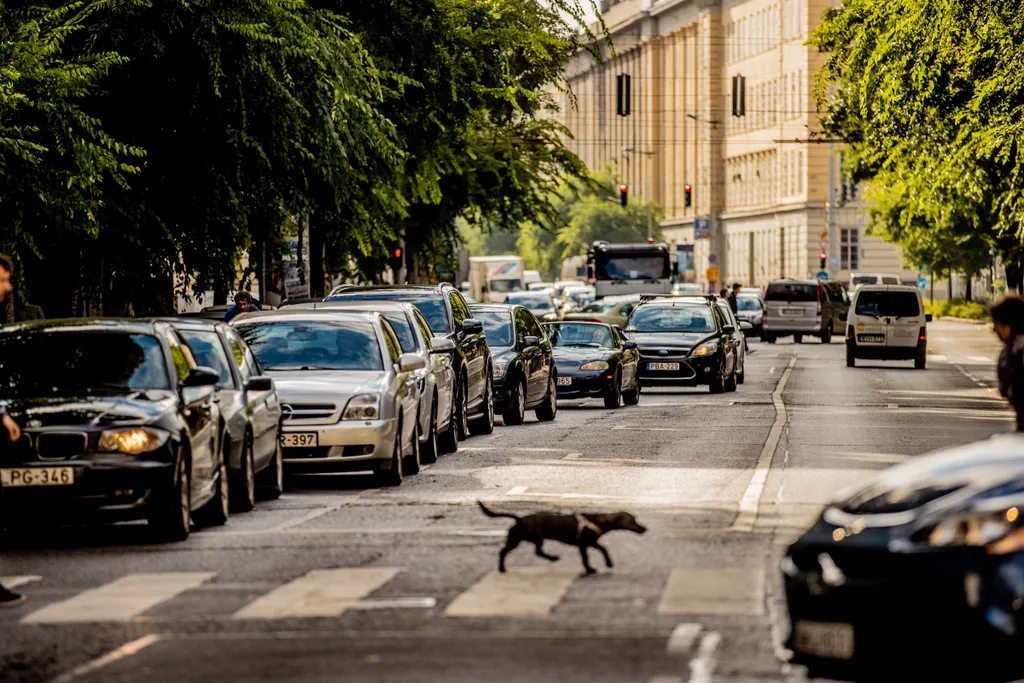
966,342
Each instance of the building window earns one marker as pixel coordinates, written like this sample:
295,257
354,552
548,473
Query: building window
849,249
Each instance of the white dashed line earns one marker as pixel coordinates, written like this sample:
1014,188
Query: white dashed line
683,638
702,667
516,491
123,652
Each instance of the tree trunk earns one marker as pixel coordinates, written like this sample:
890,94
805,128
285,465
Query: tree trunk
968,294
949,285
316,260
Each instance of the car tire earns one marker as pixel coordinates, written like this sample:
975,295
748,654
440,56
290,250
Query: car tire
270,482
393,476
798,339
731,381
448,440
515,411
717,385
826,336
547,410
741,376
170,512
484,424
613,398
428,449
921,359
217,509
462,410
243,493
851,357
412,462
631,398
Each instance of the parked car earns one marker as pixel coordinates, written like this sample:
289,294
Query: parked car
250,410
436,381
118,422
921,565
804,307
448,315
524,368
887,322
611,310
540,304
684,341
348,393
595,360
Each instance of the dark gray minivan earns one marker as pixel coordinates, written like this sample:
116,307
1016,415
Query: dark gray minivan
804,307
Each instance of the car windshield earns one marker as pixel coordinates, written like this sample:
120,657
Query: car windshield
432,307
313,345
506,285
534,303
41,362
208,350
748,303
792,291
579,334
672,319
888,304
497,327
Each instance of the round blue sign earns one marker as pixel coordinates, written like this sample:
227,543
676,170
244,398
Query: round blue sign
822,275
922,282
712,259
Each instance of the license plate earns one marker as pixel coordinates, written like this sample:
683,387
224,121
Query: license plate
293,440
875,338
37,476
793,312
663,366
825,639
565,381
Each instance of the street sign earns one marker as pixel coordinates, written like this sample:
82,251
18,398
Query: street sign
702,228
834,261
922,282
712,274
822,275
712,258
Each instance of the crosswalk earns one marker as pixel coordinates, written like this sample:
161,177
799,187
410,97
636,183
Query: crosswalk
523,592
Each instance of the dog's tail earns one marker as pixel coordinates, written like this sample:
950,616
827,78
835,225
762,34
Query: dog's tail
491,513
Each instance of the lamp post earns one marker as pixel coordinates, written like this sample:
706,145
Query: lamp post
650,199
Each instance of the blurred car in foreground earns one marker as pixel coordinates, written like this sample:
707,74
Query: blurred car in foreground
611,310
923,565
595,360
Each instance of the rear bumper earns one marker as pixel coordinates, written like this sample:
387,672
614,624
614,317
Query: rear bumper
343,447
878,352
784,328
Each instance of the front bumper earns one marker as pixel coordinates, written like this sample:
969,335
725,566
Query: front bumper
347,446
693,370
584,383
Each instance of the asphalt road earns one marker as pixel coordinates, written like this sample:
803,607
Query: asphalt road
337,581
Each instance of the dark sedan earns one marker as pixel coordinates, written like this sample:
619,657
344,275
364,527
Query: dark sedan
524,368
118,421
922,566
595,360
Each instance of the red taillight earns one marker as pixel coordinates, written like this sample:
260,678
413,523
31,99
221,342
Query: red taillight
922,335
849,331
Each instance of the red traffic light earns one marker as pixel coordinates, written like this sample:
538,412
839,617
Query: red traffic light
650,240
687,195
823,256
398,252
623,195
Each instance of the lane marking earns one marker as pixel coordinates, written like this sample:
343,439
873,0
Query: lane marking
123,652
514,449
15,581
892,406
520,592
120,600
981,359
572,456
683,638
937,358
312,514
751,500
666,679
396,603
320,593
702,667
724,591
516,491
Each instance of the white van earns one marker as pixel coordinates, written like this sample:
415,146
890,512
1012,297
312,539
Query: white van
858,279
887,322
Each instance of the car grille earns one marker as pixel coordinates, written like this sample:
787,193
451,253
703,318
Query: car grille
308,411
60,445
663,354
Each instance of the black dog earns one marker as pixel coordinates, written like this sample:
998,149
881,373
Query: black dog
580,530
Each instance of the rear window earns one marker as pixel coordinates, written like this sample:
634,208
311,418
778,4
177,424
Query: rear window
431,306
888,304
792,291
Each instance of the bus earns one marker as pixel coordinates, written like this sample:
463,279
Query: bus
629,268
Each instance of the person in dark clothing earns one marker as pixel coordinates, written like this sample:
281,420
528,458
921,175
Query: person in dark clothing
243,304
9,429
1008,321
733,303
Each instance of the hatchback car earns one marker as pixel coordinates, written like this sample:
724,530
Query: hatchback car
250,411
348,393
118,422
801,308
595,360
524,367
887,322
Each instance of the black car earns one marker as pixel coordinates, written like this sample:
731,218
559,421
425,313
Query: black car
524,367
449,316
923,565
684,341
595,360
117,421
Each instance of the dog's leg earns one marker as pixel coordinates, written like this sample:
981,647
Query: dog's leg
586,560
546,556
604,551
513,540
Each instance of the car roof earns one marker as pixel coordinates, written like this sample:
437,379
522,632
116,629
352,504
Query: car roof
494,307
129,325
191,323
677,301
888,288
383,306
577,322
296,313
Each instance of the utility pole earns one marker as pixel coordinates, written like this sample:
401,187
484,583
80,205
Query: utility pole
650,198
718,241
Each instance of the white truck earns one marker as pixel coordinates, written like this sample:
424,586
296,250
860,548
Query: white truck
492,278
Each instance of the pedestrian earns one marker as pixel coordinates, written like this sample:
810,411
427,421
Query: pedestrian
1008,321
10,431
724,293
733,303
243,304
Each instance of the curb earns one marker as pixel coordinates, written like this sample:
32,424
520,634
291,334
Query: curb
969,321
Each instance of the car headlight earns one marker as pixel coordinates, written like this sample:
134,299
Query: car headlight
132,440
705,349
999,532
362,407
594,365
500,367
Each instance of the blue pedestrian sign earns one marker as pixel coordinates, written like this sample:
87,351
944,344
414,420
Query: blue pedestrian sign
701,228
822,275
922,282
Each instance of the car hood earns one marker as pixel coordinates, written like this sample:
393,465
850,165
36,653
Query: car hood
668,340
573,355
137,407
324,385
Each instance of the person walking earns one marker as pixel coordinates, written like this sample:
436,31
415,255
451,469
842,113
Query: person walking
10,432
243,304
733,303
1008,321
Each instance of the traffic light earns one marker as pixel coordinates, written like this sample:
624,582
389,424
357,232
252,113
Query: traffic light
688,194
824,259
395,260
623,195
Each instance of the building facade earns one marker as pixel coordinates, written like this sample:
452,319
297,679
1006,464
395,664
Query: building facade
722,103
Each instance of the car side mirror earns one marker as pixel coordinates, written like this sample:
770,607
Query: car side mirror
409,362
531,341
261,383
441,345
728,329
201,376
472,326
927,317
744,325
629,345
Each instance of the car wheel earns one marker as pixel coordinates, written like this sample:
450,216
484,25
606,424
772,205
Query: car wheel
921,359
631,398
428,449
851,357
484,424
613,397
170,512
448,441
270,482
798,338
243,494
515,411
412,462
547,410
462,411
215,512
393,476
717,385
731,381
741,376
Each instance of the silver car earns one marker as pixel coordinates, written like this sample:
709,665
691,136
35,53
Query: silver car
436,381
249,407
348,393
611,310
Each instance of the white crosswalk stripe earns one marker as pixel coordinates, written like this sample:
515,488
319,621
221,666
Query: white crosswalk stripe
723,591
521,592
320,593
980,359
120,600
15,581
